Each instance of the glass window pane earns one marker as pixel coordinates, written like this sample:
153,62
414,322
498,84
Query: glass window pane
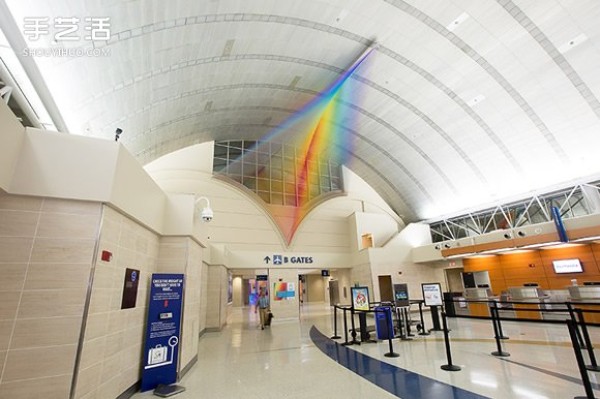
265,196
276,199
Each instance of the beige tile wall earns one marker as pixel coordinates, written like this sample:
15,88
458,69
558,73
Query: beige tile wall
46,251
203,298
112,349
183,255
216,299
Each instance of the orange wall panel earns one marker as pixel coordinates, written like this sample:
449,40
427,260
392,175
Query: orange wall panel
519,282
535,266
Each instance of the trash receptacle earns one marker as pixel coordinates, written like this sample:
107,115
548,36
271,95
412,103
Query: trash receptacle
384,327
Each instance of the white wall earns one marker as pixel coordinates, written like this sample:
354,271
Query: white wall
57,165
244,224
381,226
149,201
65,166
395,259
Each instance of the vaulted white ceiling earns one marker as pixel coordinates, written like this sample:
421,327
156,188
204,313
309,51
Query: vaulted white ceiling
462,103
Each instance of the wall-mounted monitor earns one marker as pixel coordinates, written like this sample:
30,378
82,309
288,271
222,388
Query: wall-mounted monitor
567,266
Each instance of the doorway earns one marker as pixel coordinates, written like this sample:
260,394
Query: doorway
334,292
454,278
386,291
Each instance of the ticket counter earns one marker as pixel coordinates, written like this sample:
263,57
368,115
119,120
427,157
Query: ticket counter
586,293
534,297
479,294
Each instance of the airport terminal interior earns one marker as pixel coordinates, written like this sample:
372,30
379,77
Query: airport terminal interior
286,199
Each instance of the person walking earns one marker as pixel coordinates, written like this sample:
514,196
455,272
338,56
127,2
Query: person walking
263,307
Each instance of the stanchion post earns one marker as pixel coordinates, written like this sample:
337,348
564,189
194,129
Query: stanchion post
499,352
390,334
423,329
346,329
354,341
577,332
404,320
449,366
580,363
500,333
588,342
335,334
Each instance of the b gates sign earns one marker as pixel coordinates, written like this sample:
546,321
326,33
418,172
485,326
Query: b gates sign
279,259
286,260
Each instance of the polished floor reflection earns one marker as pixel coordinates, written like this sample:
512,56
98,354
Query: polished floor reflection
293,359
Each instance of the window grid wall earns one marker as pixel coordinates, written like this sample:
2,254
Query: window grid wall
271,171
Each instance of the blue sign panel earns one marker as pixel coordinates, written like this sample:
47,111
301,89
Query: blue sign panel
560,227
162,332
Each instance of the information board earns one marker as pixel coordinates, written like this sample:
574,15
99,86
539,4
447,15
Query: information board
161,349
401,295
130,288
360,298
432,294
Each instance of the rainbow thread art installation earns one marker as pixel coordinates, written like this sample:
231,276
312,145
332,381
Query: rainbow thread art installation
318,132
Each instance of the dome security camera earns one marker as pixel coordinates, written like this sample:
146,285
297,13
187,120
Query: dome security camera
207,214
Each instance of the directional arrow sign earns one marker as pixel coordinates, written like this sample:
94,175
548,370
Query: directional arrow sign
267,260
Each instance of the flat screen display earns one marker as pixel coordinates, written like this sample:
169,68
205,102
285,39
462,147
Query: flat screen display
567,266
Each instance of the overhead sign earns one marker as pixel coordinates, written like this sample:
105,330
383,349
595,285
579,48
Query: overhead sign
161,349
279,259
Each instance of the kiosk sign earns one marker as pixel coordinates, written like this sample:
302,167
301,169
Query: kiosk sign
432,294
162,332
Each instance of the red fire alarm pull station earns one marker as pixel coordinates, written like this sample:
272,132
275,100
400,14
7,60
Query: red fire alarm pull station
106,256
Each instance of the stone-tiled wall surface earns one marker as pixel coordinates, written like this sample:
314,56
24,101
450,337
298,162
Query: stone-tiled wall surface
216,311
183,255
46,251
112,349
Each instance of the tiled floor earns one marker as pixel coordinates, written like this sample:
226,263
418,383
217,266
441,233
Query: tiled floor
283,361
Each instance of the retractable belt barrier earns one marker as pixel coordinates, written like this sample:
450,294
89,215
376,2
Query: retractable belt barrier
575,322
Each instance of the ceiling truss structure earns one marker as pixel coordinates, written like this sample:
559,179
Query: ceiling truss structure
579,200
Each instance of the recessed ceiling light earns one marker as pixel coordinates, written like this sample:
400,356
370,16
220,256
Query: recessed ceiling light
576,41
343,14
476,100
459,20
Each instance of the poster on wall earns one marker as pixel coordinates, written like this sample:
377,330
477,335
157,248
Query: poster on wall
130,288
432,294
284,291
360,298
161,348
